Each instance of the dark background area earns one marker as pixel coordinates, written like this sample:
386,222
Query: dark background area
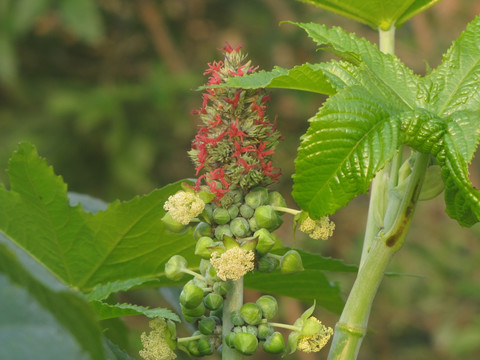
105,88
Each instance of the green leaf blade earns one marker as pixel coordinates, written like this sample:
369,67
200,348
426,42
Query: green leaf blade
110,311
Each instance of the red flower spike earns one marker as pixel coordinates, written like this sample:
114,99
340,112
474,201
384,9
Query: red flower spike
229,49
234,101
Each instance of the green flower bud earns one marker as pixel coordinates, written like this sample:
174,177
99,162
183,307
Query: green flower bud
251,313
217,313
191,296
251,329
246,211
291,262
268,264
264,330
239,227
192,348
207,325
249,245
213,301
269,306
174,267
173,225
221,231
276,199
274,344
229,339
253,224
237,195
202,229
221,216
265,241
245,343
311,327
195,312
233,211
256,197
201,283
205,347
236,318
202,247
267,218
222,287
190,319
208,213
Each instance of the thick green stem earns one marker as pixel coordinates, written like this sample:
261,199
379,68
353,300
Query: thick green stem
234,301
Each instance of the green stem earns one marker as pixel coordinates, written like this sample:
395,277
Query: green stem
286,210
197,275
286,326
190,338
233,302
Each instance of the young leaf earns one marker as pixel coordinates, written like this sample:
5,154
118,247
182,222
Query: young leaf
349,140
109,311
103,291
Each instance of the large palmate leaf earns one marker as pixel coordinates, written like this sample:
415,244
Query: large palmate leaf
349,140
375,13
126,241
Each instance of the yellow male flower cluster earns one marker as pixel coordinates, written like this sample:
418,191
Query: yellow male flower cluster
184,206
316,341
233,263
318,229
155,347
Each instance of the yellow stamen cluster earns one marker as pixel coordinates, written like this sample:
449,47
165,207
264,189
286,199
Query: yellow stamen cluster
233,263
155,346
316,342
184,206
318,229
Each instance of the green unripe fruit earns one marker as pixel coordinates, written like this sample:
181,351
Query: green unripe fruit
291,263
267,218
221,231
229,339
257,197
268,264
269,306
174,267
202,247
264,330
207,325
208,213
202,229
204,347
245,343
251,313
213,301
251,329
222,287
236,318
190,319
195,312
191,296
276,199
253,224
221,216
265,241
192,348
173,225
217,313
239,227
233,211
246,211
274,344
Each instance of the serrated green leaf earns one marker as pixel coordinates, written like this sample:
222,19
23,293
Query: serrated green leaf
89,203
377,14
103,291
109,311
306,77
126,241
349,140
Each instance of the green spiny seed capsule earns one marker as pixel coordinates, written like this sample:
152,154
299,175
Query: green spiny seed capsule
222,287
291,262
274,344
233,211
256,197
202,247
267,218
213,301
276,199
173,225
269,306
265,241
239,227
268,264
245,343
195,312
202,229
221,216
236,318
264,330
221,231
207,325
192,348
229,339
174,267
191,296
205,347
251,313
246,211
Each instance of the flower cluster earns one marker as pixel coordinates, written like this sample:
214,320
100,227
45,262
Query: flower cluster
317,340
184,206
318,229
155,346
233,263
235,145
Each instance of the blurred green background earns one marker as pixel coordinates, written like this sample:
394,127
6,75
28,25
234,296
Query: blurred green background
105,88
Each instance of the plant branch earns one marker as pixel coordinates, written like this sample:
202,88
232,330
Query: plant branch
234,301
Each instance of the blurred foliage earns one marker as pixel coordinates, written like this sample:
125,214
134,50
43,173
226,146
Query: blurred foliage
104,89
